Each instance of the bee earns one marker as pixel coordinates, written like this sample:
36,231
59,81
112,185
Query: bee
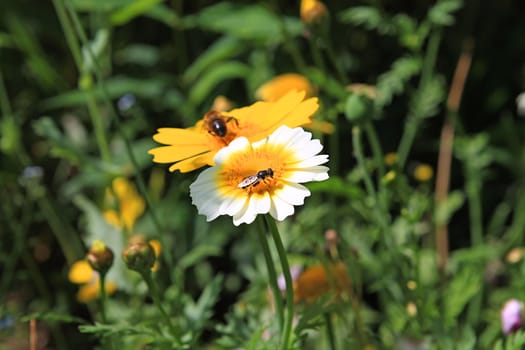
253,180
216,123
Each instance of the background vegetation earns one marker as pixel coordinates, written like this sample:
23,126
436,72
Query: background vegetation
84,84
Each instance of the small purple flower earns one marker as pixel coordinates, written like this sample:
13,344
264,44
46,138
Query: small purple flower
126,102
295,271
511,316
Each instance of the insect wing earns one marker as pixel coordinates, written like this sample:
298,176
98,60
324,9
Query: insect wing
247,181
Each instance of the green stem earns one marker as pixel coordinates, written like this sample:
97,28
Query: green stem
381,214
333,57
155,295
116,117
272,274
473,189
413,120
287,328
97,121
85,80
330,331
103,297
377,150
5,106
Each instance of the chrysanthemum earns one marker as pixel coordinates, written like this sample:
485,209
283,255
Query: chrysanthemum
192,148
279,86
261,177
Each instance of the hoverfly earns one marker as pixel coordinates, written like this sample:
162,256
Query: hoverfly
215,123
253,180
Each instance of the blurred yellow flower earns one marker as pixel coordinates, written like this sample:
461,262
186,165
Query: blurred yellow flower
390,158
423,172
221,104
281,85
130,205
157,248
312,11
369,91
82,273
317,281
192,148
514,255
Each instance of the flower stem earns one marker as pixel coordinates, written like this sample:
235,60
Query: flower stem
413,120
285,336
330,330
271,271
103,297
154,293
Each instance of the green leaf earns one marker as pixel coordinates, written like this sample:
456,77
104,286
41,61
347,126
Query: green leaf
253,22
132,10
441,13
425,103
199,313
61,147
368,17
98,228
215,75
52,317
337,186
115,87
198,253
394,81
465,285
222,49
446,209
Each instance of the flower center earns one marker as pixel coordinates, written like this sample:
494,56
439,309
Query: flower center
256,170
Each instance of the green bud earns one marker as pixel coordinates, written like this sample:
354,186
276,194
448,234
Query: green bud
358,108
139,257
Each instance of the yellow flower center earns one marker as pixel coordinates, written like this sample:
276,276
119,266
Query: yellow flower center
260,169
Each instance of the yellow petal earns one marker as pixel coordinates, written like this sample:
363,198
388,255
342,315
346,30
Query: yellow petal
281,85
80,272
90,291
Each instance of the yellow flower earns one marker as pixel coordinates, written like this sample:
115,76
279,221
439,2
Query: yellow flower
82,273
423,172
195,147
221,104
281,85
390,158
317,281
260,177
312,11
129,202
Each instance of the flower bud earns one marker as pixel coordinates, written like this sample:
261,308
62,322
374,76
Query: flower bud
139,256
100,257
358,108
511,316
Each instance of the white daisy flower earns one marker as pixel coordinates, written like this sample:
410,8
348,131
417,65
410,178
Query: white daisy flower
259,178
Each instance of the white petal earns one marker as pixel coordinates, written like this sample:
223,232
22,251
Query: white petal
315,173
234,206
280,209
247,215
239,144
293,193
310,162
262,202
